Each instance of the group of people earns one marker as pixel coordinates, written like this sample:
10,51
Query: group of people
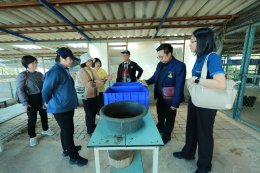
57,94
200,121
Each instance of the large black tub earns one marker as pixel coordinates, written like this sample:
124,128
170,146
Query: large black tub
123,117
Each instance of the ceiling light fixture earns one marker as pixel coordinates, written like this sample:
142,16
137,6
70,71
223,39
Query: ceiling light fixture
78,45
28,46
117,44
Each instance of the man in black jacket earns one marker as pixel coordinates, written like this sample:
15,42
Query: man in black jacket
127,70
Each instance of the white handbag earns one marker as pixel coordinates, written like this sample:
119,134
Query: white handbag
220,99
81,90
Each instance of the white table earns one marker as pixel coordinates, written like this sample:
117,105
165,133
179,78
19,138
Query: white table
146,138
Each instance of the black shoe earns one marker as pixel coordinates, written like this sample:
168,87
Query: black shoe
201,171
65,153
179,155
80,161
166,138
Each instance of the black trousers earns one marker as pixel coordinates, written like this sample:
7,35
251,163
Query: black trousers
66,124
35,101
166,116
100,100
91,109
199,131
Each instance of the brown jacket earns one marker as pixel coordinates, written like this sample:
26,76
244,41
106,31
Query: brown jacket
90,84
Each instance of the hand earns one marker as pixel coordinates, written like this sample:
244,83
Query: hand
144,83
27,107
98,81
44,106
101,82
191,80
109,77
173,108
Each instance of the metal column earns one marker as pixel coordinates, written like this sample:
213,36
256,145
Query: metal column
248,45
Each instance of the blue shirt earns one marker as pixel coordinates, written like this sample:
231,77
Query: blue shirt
58,90
214,65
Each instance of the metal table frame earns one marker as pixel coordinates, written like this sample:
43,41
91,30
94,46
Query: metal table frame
147,138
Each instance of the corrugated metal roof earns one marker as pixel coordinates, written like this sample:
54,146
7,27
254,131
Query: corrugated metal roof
25,17
101,20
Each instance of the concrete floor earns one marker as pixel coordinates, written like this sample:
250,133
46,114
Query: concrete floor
237,148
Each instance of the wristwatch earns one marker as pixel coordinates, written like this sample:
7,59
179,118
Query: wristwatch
197,80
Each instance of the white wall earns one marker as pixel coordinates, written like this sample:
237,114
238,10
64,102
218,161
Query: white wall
189,59
99,50
142,52
145,55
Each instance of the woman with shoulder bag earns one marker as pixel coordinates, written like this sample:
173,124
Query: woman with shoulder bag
90,80
200,121
29,92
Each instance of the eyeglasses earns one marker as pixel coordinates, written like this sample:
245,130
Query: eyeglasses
160,57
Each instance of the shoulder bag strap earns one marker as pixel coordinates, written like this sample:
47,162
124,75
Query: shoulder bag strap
95,89
204,70
26,90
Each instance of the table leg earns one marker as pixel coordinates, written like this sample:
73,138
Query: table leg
155,159
97,161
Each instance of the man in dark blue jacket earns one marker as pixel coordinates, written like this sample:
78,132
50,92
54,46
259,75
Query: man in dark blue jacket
170,76
60,98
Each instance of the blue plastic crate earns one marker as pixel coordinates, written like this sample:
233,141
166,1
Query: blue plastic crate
138,94
127,84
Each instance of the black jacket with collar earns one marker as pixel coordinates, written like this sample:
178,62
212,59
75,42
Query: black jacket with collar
132,68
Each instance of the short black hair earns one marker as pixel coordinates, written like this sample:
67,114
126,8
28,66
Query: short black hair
167,48
83,65
205,40
27,59
96,60
57,59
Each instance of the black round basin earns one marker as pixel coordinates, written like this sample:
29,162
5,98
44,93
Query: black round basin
123,117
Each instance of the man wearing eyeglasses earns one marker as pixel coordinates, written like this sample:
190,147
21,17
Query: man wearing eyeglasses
168,80
127,70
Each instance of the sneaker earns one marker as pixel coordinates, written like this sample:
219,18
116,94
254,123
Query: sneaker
80,161
33,142
65,153
47,132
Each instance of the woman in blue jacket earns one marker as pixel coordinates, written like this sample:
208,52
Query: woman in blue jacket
60,98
